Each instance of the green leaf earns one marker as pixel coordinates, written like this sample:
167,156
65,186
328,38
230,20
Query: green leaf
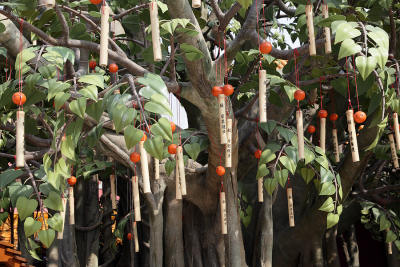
31,226
3,217
267,156
348,48
54,87
89,92
158,104
162,6
3,51
328,205
331,220
47,237
326,175
53,201
327,189
270,185
68,148
245,3
390,236
132,136
346,31
380,37
56,222
78,107
93,79
60,99
383,223
290,92
4,203
323,162
288,163
26,207
155,147
281,176
380,54
262,171
191,52
95,110
328,21
163,129
308,156
62,168
307,174
8,176
63,52
365,65
170,166
154,84
268,126
17,190
122,116
193,150
285,133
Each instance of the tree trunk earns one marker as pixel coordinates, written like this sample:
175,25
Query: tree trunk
267,232
332,255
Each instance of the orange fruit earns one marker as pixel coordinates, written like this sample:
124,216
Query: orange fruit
299,95
173,126
360,116
19,98
220,170
265,47
172,149
92,64
135,157
96,2
334,117
113,68
144,138
129,236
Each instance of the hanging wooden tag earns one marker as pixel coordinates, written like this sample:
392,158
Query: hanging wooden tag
310,27
322,133
352,135
71,203
228,146
104,34
262,91
396,130
260,189
182,179
135,236
327,30
335,145
224,224
389,248
113,194
144,163
46,3
289,194
156,169
155,31
196,3
300,133
62,215
178,193
222,118
136,198
20,140
395,159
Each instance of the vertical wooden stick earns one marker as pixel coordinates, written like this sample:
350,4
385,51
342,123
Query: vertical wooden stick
396,130
300,133
104,34
327,30
113,194
394,152
260,187
71,203
335,145
62,214
289,194
310,27
155,31
135,236
47,3
182,179
145,168
222,118
196,3
389,248
20,140
156,169
224,224
322,133
228,146
136,198
178,193
262,91
352,134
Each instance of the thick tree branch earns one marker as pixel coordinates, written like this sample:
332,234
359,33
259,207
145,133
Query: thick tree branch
285,9
64,24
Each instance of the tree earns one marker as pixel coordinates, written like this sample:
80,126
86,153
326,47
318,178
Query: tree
86,122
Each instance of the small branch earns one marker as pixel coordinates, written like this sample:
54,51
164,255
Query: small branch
64,24
393,35
127,12
285,9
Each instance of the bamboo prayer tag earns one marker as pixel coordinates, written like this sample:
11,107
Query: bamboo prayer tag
389,248
113,195
222,118
322,133
300,133
289,194
155,31
260,189
178,193
135,236
352,134
136,198
335,145
62,214
145,168
196,3
228,146
20,140
394,152
262,91
396,130
71,203
327,30
156,169
104,34
182,179
224,224
46,3
310,27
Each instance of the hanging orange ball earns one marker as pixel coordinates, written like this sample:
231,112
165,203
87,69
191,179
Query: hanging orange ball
71,180
257,154
144,138
299,95
265,47
217,90
96,2
172,149
113,68
135,157
220,170
92,64
173,126
311,129
19,98
333,117
228,89
129,236
322,113
360,116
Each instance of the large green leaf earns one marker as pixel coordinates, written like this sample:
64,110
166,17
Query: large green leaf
170,166
25,207
262,171
270,185
95,110
78,107
191,52
285,133
348,48
163,128
63,52
60,99
346,31
47,237
308,155
288,163
245,3
93,79
307,174
56,222
326,175
268,126
122,116
281,176
323,162
365,65
267,156
290,91
331,220
383,223
68,148
158,104
193,150
8,176
381,54
31,226
90,92
155,147
153,85
327,189
17,190
54,87
390,236
328,205
380,36
132,136
53,201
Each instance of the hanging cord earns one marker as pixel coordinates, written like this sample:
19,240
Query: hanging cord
20,82
322,78
296,71
225,60
355,81
258,35
348,86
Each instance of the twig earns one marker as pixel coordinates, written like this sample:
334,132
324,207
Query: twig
127,12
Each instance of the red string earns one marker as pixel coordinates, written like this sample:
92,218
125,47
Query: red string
21,23
320,91
348,86
296,71
225,60
355,81
258,34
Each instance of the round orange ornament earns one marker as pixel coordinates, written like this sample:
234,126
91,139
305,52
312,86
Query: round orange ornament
322,113
71,180
311,129
265,47
360,116
333,117
135,157
220,170
144,138
19,98
92,64
172,149
228,89
96,2
129,236
257,154
173,126
299,95
217,90
113,68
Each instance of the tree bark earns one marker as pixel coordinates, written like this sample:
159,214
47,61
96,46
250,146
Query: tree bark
267,232
332,255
